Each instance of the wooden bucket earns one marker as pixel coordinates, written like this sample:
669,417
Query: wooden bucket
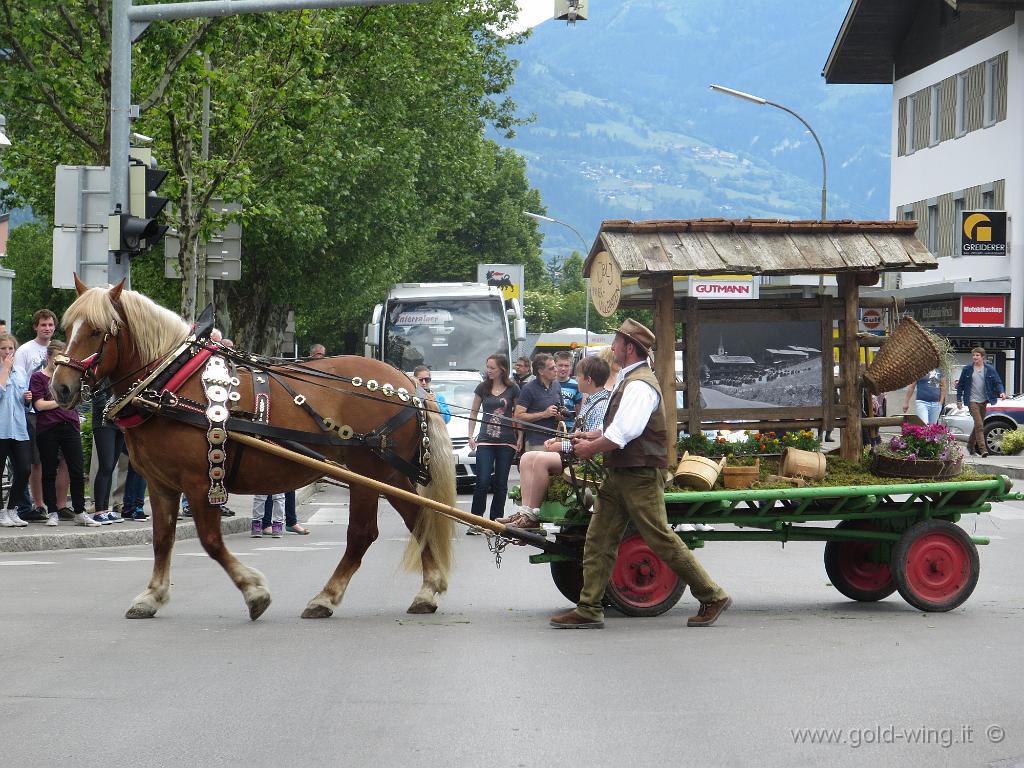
698,472
741,477
797,463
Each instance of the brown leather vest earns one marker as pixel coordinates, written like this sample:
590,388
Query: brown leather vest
649,448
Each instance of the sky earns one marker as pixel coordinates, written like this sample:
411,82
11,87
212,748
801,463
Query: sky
533,12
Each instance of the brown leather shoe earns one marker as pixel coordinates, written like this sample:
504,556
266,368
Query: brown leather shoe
572,620
709,613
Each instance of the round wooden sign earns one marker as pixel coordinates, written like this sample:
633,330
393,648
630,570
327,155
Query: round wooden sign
605,284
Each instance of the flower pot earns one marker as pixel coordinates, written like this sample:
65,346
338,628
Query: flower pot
924,469
741,477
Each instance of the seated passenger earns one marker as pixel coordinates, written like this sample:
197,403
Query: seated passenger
536,468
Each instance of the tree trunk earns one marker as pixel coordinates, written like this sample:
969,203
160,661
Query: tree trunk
246,315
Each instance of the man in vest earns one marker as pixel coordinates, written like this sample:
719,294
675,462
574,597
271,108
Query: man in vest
635,455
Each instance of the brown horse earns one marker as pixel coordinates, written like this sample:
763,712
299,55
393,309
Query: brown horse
121,335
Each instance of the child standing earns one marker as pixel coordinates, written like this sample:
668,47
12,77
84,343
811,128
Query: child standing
277,515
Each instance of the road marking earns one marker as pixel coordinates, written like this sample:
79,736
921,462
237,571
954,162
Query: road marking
124,559
27,562
285,549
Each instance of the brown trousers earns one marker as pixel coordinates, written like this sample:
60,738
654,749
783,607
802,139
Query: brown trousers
977,438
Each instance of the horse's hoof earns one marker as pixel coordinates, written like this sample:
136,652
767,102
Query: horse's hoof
258,604
317,611
422,606
140,612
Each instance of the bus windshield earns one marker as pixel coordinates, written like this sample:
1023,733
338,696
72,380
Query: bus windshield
444,334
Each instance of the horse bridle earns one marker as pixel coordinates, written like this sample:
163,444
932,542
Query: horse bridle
88,367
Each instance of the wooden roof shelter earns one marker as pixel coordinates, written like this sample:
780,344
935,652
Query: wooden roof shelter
659,252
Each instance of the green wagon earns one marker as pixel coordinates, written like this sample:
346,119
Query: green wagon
885,538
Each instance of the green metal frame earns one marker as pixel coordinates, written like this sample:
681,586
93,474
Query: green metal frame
782,515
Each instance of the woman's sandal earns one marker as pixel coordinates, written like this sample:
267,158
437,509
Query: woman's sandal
298,529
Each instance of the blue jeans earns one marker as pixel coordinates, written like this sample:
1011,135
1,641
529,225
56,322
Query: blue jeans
493,462
928,411
134,490
289,509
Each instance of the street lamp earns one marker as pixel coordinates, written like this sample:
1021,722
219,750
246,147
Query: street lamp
4,141
586,249
759,100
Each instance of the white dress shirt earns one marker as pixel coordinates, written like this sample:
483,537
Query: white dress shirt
639,399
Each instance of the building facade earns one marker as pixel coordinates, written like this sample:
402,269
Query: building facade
957,73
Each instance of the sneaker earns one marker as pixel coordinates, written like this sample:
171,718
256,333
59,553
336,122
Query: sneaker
114,517
51,520
709,613
12,516
140,514
704,527
5,520
257,529
66,513
225,511
84,520
276,530
101,518
34,515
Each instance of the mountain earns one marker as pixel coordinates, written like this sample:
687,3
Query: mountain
625,126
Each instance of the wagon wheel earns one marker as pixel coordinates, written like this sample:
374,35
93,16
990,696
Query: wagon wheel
853,567
935,565
641,584
568,578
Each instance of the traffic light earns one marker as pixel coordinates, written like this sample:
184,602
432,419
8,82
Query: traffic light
139,230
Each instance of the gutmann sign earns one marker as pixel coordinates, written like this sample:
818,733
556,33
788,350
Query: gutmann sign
983,310
724,286
983,233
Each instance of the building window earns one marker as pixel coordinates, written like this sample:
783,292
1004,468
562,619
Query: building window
988,200
911,118
908,213
961,104
990,91
933,228
933,122
958,210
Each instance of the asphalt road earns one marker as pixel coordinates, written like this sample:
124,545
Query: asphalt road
485,682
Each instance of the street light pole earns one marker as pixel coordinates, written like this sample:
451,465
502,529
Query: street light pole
821,150
586,249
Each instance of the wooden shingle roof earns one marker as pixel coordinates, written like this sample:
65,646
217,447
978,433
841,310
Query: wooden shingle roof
761,247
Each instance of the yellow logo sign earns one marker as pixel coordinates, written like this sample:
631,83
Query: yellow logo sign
974,231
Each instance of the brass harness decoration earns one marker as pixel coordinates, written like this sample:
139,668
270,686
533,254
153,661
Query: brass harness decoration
217,383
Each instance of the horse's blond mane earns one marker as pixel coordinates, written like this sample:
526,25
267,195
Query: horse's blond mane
154,329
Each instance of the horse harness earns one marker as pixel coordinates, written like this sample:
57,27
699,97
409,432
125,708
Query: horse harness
157,393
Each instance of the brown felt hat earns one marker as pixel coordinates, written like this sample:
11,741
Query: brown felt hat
638,333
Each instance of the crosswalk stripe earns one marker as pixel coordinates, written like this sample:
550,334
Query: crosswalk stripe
27,562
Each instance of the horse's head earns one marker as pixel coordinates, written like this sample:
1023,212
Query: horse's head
91,325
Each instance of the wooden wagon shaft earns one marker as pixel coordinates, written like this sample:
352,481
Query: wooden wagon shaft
335,470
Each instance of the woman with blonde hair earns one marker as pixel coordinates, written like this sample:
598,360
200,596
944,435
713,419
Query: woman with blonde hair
14,440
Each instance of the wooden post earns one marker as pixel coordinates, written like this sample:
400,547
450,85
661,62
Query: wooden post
849,360
665,356
691,366
828,383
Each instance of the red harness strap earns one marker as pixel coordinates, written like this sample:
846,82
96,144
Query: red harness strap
172,385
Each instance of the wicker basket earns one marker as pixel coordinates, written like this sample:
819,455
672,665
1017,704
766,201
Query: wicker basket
907,355
924,469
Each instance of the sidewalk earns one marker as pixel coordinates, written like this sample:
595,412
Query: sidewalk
37,536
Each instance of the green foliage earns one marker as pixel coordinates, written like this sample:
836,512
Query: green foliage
1013,442
752,444
29,252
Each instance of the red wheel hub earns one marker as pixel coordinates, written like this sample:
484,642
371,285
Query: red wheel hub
937,566
640,577
860,570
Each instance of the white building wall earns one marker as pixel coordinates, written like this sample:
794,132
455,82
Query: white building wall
980,157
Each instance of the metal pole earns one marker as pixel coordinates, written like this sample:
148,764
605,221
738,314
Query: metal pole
120,124
821,151
586,280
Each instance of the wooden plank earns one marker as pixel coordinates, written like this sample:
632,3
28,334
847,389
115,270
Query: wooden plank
855,249
625,250
763,414
827,365
849,360
891,251
694,254
665,358
816,253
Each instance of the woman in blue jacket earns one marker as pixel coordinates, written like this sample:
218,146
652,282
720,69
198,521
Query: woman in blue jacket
979,386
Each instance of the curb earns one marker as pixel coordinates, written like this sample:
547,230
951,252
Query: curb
988,468
124,537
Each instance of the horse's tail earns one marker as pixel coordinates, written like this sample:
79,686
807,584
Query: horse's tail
434,530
